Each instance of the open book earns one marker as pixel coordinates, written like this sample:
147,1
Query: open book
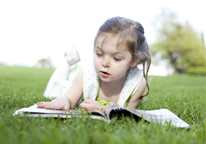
163,116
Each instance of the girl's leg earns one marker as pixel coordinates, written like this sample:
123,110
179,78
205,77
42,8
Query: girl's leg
61,73
58,81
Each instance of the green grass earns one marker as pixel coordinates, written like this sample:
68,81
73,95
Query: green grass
22,87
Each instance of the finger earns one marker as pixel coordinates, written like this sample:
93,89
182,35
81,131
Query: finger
83,105
42,104
53,106
66,107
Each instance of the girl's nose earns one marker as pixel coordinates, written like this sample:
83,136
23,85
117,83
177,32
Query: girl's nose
105,62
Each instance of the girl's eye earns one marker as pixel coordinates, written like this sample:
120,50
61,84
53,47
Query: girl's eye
98,54
117,59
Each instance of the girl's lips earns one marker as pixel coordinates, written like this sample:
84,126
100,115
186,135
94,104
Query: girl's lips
104,74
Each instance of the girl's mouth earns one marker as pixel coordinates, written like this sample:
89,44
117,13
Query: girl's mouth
104,74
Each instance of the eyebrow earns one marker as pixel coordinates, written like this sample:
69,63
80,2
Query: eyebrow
115,53
98,47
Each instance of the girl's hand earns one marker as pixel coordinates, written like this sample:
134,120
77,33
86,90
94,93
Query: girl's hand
61,103
89,105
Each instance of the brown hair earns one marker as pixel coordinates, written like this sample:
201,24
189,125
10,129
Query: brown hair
130,34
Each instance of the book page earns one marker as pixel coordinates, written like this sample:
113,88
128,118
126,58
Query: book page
63,116
35,110
162,116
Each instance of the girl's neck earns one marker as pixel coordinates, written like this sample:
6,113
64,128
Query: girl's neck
114,86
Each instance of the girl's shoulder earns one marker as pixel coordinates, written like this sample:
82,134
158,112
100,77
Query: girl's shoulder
89,72
90,81
130,86
135,73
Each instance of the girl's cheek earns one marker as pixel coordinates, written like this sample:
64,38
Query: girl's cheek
96,64
98,60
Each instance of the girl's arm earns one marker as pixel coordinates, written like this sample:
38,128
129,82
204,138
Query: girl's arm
93,104
135,98
76,90
70,99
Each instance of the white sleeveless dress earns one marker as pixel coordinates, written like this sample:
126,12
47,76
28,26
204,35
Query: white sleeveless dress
91,84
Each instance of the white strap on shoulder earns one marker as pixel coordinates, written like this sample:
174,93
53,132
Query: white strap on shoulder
130,86
90,82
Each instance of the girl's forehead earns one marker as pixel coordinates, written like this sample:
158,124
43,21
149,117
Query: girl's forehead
106,38
109,40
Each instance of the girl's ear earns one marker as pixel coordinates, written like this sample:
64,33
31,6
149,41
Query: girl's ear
134,61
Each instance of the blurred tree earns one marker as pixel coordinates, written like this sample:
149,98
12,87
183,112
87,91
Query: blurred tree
44,62
179,43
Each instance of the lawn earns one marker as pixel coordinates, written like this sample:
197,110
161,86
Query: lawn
21,87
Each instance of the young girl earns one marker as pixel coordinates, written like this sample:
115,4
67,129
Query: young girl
119,46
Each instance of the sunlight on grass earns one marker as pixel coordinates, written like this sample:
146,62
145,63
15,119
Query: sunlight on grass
21,87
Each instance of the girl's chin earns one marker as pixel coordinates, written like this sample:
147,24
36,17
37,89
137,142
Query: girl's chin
105,79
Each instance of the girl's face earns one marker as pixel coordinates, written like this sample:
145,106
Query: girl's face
111,63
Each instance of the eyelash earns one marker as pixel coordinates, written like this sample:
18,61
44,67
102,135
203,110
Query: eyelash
98,54
116,59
